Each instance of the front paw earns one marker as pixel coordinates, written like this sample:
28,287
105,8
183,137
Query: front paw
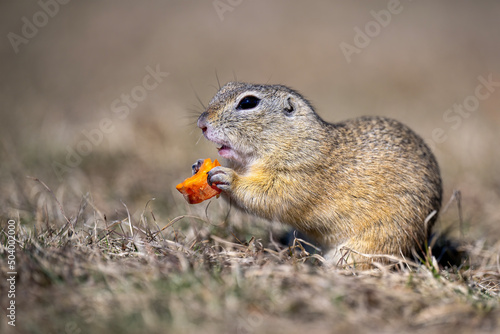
196,166
221,177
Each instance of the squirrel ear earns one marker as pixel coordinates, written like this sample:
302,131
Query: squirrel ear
290,107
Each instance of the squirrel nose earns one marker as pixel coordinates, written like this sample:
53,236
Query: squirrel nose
202,122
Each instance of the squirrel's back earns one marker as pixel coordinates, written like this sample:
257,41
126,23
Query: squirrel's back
386,186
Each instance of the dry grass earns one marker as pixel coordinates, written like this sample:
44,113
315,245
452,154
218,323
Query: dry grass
85,273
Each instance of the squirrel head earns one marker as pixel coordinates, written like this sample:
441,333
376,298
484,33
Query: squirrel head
252,122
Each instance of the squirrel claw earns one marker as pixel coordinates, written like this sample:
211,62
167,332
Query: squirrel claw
197,165
222,178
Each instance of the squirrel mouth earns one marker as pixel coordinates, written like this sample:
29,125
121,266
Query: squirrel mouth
228,152
225,151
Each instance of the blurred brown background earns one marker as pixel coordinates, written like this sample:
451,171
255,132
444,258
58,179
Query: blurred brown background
67,70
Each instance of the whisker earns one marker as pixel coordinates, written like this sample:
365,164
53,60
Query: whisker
217,76
197,96
215,88
269,79
199,138
195,110
190,122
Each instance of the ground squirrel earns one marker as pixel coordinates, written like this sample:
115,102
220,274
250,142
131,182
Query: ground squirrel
370,183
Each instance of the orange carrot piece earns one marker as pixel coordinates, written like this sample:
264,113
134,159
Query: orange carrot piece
196,188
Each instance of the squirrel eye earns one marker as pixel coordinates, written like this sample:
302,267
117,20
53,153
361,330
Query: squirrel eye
248,102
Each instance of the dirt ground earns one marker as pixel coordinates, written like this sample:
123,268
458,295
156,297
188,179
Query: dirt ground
98,112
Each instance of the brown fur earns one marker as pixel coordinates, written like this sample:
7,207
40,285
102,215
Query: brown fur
368,183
